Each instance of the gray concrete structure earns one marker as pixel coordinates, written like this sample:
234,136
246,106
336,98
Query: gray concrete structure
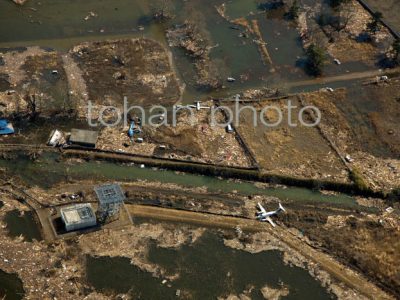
86,138
78,216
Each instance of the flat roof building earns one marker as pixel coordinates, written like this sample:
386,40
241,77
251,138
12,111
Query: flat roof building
78,216
86,138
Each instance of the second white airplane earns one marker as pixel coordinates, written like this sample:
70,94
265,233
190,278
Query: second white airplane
264,215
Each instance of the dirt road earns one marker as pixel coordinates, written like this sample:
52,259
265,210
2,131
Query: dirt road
333,267
344,77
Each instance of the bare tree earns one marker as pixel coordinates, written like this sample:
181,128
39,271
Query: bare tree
32,101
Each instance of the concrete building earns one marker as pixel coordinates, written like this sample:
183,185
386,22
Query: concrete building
111,198
78,216
86,138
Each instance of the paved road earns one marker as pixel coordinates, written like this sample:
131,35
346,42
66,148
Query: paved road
333,267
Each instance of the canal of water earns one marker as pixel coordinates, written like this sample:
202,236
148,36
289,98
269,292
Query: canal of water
49,170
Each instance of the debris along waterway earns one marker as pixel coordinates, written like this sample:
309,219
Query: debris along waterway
223,271
48,170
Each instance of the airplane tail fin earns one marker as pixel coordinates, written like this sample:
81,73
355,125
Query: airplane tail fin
281,207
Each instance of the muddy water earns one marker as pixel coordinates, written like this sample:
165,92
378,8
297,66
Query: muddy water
207,270
61,24
10,286
47,171
22,224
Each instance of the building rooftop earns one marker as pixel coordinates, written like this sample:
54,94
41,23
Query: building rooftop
78,213
109,194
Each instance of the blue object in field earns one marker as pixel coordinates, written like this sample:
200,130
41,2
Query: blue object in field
5,127
131,129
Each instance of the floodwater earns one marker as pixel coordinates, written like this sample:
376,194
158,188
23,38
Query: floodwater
60,24
207,270
48,171
22,223
10,286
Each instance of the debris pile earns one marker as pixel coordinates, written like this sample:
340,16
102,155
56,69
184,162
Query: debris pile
188,37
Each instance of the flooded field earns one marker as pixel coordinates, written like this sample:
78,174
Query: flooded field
61,25
10,287
22,223
223,271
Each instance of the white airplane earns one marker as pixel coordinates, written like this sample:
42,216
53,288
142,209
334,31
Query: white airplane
198,106
264,216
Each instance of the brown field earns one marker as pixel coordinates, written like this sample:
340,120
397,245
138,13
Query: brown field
363,123
299,151
138,69
390,10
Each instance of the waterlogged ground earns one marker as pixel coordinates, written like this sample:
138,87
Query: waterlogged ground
207,269
10,287
22,223
62,24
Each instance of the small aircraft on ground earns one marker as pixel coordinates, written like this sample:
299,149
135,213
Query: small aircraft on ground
264,215
197,106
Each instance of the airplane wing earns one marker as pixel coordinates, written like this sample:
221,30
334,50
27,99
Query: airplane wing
270,221
261,208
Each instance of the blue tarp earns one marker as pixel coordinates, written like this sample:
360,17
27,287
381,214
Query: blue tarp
5,127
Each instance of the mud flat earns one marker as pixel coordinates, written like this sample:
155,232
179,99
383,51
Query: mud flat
363,125
138,69
294,151
36,83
